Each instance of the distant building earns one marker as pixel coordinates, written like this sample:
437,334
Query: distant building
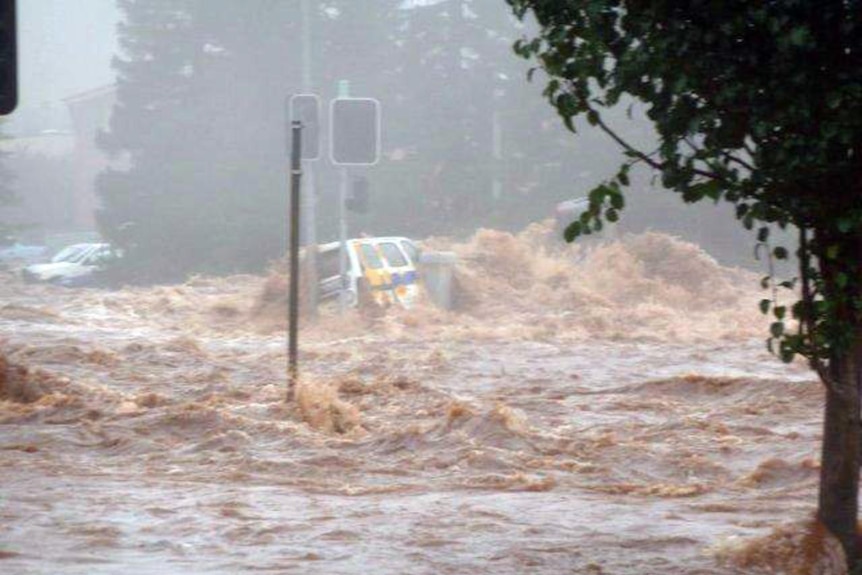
90,112
54,160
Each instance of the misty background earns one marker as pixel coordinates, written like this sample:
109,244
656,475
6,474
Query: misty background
160,126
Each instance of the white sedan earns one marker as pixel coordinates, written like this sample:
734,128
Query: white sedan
71,262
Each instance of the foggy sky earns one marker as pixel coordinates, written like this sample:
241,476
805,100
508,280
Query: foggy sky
64,47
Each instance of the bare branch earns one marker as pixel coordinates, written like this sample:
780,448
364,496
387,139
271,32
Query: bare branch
731,158
644,157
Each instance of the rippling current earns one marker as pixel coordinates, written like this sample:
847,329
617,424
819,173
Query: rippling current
562,421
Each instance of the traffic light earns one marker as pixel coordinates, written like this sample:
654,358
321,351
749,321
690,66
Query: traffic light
355,131
305,108
8,57
358,200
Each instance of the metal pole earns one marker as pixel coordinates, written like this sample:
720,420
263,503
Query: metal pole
293,296
313,295
306,46
496,144
310,188
342,238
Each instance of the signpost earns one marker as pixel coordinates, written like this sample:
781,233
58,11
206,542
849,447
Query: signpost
293,295
354,140
305,108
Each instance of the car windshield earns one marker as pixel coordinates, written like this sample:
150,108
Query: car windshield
393,255
370,259
99,255
70,253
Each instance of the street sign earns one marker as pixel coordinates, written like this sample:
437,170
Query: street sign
305,108
354,125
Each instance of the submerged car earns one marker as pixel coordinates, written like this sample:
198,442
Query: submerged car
72,264
17,253
569,211
381,270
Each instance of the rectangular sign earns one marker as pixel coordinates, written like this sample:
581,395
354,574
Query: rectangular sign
305,108
354,125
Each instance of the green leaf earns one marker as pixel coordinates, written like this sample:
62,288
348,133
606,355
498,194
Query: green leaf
763,234
799,36
593,117
711,189
597,195
841,280
612,215
764,306
780,253
776,329
623,177
572,231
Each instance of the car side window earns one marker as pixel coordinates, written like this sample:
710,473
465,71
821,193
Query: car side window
327,263
411,251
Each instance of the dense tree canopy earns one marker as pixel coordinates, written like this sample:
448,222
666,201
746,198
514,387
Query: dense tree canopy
758,104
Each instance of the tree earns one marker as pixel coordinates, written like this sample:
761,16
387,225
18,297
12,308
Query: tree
758,104
197,93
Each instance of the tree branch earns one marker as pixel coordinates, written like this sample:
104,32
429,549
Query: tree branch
644,157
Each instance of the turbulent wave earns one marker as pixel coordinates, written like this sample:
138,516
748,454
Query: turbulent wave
598,407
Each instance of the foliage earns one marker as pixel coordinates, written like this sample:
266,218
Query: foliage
756,103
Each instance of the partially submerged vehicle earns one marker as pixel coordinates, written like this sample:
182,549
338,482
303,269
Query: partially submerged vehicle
569,211
14,252
382,270
72,265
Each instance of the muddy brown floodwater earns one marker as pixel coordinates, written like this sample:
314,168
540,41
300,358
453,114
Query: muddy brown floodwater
607,410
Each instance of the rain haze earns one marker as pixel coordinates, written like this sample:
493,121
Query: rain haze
474,394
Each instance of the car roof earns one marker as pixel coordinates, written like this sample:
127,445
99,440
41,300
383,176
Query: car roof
373,239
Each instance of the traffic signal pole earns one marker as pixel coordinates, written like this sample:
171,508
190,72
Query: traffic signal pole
342,238
313,294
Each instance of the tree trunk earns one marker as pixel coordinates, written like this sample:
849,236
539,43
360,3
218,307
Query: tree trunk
839,471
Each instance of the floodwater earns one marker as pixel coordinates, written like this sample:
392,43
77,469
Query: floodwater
603,411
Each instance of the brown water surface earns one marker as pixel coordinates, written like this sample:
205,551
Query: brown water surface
606,410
